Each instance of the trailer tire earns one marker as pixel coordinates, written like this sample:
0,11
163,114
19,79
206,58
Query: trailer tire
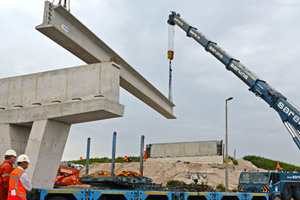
296,193
287,192
58,198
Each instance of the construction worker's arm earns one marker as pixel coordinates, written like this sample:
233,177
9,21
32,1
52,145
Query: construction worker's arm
26,182
5,174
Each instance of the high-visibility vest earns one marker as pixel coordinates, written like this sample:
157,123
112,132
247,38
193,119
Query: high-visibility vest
5,170
15,186
278,166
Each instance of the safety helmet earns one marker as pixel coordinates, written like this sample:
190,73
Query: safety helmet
11,152
23,158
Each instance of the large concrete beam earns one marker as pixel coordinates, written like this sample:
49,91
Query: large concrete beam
63,28
45,147
55,95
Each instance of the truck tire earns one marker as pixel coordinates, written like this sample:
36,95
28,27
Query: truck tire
296,193
287,192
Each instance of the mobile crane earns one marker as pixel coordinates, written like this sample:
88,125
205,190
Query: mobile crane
288,112
284,185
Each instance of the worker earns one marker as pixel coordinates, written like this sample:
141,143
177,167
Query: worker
5,169
19,183
145,156
278,167
126,159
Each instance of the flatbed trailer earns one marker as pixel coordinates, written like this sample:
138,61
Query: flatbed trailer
87,194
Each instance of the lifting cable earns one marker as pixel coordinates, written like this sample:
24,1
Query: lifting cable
65,4
170,57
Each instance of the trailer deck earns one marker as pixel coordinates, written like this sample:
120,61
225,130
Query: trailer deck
82,194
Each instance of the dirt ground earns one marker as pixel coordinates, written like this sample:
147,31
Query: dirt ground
162,171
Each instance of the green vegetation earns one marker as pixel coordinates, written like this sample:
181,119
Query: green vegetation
104,160
234,190
234,161
220,187
175,183
266,164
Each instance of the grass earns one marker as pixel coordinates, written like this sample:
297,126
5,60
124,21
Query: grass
234,161
174,183
266,164
220,187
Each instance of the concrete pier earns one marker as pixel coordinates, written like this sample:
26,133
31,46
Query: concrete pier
37,111
45,146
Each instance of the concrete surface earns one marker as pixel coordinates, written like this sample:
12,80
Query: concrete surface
45,148
56,95
37,111
63,28
13,137
195,159
184,149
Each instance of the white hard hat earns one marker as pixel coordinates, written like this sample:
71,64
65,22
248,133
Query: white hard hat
11,152
23,158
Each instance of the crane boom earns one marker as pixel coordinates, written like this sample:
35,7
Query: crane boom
288,112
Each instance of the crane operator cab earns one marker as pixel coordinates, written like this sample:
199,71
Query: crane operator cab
284,185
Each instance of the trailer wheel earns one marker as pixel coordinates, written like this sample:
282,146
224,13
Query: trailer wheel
296,193
286,192
58,198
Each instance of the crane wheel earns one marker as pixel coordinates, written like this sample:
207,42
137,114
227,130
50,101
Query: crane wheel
296,192
287,192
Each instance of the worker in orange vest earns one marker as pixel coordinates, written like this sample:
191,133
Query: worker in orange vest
19,183
126,159
5,169
278,166
145,156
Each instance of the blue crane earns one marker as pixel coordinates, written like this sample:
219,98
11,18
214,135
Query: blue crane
288,112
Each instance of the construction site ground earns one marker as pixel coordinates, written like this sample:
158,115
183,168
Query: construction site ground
162,170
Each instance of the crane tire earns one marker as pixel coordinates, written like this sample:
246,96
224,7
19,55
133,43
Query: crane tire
287,192
296,192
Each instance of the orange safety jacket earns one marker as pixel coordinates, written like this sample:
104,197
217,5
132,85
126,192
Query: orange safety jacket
278,166
5,170
16,188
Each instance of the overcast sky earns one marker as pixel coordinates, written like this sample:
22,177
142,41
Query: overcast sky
262,34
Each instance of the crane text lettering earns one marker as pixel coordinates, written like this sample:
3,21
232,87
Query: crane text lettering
287,111
239,71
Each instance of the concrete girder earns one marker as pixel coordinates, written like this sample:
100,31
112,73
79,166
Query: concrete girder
63,28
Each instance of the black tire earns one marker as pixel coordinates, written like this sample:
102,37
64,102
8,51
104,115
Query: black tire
296,193
58,198
287,192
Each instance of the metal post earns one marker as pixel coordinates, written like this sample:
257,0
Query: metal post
141,155
226,143
87,156
113,156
